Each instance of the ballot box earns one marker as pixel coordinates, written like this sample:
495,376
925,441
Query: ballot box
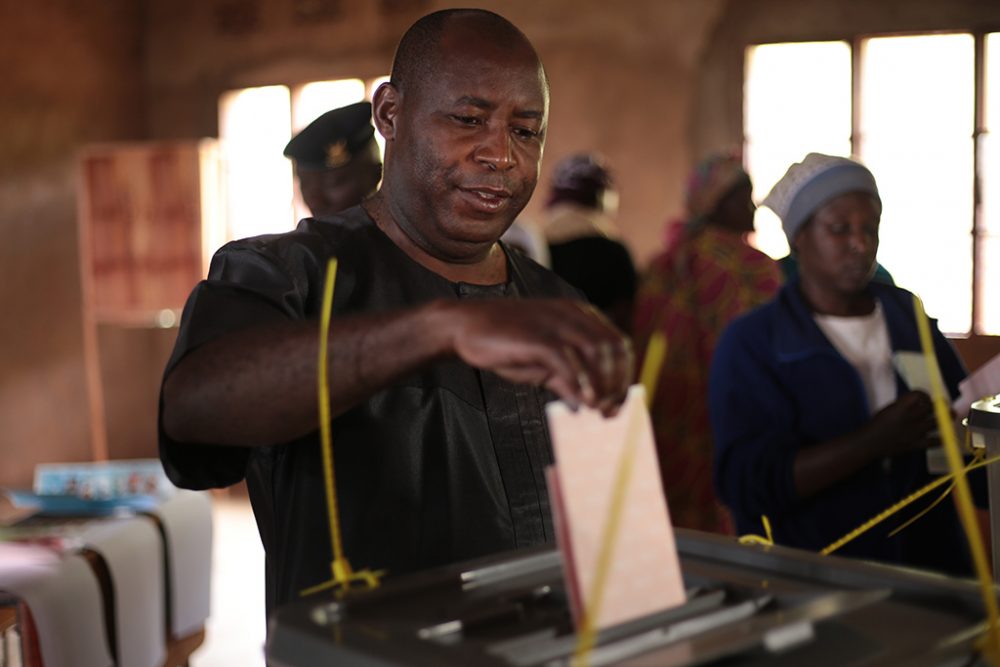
984,428
746,605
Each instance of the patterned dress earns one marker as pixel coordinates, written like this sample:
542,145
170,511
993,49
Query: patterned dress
704,278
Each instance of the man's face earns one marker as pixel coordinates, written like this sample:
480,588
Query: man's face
836,249
327,191
467,146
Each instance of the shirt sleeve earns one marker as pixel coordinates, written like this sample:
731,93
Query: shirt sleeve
753,424
249,284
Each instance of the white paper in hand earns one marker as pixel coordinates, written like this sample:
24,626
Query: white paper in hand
912,367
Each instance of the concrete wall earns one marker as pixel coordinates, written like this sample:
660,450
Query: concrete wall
72,74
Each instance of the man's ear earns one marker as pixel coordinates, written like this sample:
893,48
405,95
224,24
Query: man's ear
385,110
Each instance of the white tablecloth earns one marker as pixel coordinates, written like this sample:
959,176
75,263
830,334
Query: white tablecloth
133,550
187,522
64,597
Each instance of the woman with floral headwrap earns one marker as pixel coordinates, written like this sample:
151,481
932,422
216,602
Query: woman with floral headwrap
707,275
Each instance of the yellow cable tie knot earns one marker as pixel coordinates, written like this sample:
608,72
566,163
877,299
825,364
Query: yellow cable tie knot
767,539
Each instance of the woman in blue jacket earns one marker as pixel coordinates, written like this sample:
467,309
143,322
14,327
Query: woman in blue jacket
812,425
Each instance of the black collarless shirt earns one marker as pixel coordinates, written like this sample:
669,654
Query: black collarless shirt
445,465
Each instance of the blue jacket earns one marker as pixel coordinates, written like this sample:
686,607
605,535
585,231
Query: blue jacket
777,385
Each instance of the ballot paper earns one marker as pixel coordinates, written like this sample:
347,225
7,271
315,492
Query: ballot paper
984,382
595,458
912,367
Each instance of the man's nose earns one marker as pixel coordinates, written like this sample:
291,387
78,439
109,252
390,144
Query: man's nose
495,149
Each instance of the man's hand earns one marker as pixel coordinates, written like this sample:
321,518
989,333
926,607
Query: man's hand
565,346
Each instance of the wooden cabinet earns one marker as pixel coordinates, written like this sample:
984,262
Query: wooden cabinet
149,218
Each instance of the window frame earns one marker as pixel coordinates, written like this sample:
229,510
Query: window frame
855,42
294,91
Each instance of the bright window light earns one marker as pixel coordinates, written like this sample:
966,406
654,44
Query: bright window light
917,96
316,98
989,162
253,130
797,100
374,84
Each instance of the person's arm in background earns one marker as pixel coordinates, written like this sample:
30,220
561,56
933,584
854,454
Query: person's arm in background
760,463
904,425
908,424
752,420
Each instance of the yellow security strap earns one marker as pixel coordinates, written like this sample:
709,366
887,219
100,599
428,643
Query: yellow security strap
340,568
990,641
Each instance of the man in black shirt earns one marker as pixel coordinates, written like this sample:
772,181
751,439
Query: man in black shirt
442,349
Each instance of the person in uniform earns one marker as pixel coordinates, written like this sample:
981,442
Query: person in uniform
445,345
336,159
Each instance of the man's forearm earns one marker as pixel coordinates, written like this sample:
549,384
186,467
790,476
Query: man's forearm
259,387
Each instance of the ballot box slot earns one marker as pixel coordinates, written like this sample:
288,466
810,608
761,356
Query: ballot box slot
483,614
608,653
507,570
763,622
699,612
534,649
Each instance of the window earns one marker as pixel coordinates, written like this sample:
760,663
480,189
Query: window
797,100
906,106
254,126
915,134
988,273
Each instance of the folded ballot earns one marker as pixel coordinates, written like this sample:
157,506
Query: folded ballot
612,522
980,384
